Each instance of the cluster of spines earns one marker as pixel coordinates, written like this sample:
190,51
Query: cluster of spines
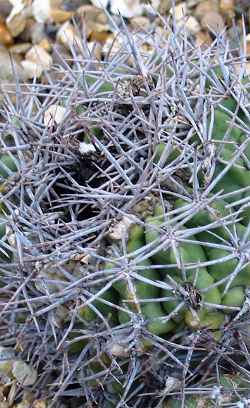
54,215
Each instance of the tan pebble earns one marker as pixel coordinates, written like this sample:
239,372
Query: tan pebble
92,13
16,21
60,16
68,36
38,55
5,36
192,25
46,44
20,48
55,113
32,69
179,11
203,39
99,36
213,21
127,8
205,7
41,10
227,7
140,22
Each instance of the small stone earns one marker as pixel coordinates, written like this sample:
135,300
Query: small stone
68,36
203,39
24,374
205,7
213,21
31,69
100,3
34,32
39,56
41,10
5,36
127,8
86,148
165,6
16,21
5,8
7,72
20,48
54,114
60,16
118,350
179,11
227,8
45,44
192,25
140,22
94,19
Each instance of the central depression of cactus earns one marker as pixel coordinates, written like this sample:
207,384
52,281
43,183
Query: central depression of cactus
125,267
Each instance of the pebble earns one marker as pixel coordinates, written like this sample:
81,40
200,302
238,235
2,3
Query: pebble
213,21
203,39
31,69
16,21
6,71
205,7
227,8
192,25
46,45
38,55
127,8
179,11
60,16
55,113
20,48
100,3
68,36
140,22
5,35
41,10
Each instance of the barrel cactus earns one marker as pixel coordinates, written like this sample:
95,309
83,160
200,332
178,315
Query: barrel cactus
125,243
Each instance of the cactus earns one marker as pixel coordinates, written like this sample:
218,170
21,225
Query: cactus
124,270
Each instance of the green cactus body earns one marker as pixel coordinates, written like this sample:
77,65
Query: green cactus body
204,319
88,314
203,281
142,290
221,270
234,297
9,163
173,155
205,217
221,125
151,311
228,184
